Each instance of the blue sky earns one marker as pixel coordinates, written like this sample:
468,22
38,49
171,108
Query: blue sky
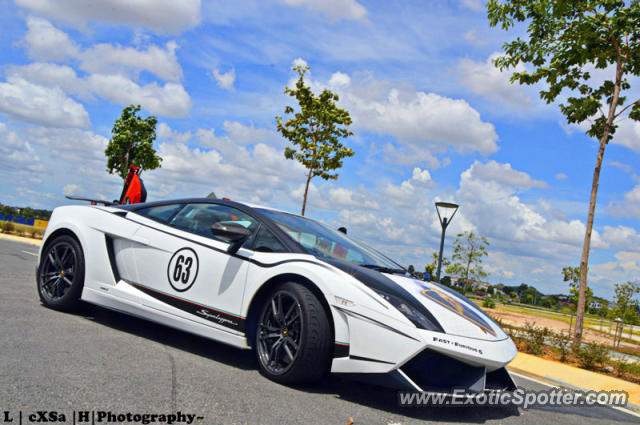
433,120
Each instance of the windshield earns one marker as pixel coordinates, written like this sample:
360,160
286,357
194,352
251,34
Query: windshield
325,242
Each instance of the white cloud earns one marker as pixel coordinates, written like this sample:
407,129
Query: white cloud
489,201
628,134
109,59
161,16
17,154
622,237
343,197
504,174
416,117
51,75
333,9
48,106
339,79
412,155
239,164
70,189
561,176
485,79
225,80
408,191
170,99
476,5
45,42
235,134
630,205
72,145
472,37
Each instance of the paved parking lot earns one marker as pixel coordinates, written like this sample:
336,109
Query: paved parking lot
96,359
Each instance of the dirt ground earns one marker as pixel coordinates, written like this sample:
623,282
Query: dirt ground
519,320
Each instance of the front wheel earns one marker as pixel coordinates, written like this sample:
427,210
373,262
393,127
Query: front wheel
293,338
61,273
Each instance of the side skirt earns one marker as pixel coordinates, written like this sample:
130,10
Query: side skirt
138,310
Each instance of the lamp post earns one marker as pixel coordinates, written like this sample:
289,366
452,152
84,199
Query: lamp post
446,211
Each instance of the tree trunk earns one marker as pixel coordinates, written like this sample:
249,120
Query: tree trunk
306,190
313,164
126,161
584,261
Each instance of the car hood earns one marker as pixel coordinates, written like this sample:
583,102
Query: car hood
456,314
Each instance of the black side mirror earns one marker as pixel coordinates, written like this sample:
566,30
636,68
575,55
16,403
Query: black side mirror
234,233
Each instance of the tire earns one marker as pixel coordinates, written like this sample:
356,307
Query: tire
61,273
299,321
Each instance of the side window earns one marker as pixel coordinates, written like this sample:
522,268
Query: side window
265,241
198,218
161,213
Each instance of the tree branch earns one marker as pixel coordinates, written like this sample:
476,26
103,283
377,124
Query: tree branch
625,108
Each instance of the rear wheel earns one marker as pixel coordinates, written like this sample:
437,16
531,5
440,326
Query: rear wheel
61,273
293,337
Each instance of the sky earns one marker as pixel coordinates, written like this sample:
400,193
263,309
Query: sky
433,119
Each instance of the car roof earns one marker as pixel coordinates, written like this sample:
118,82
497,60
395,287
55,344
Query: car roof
293,245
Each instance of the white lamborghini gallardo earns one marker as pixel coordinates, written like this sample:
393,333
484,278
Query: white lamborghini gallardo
308,299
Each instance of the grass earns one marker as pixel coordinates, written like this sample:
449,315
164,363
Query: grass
24,230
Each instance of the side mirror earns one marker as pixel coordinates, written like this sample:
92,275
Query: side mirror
234,233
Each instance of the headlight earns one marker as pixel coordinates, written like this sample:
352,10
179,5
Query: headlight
410,312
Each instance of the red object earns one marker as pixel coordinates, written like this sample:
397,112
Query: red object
133,191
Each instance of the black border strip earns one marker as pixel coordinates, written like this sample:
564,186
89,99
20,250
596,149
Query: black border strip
367,359
216,316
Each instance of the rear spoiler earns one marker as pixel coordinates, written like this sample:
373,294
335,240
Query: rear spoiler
93,201
133,191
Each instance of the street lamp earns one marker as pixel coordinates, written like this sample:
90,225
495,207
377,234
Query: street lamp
446,211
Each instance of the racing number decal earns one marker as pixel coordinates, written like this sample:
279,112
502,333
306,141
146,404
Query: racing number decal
183,269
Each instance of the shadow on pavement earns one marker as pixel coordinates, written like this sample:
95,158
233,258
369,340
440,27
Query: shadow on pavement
352,391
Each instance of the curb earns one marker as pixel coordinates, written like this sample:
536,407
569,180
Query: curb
561,375
21,239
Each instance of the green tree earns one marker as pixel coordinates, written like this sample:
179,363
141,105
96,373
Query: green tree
468,252
572,275
315,131
566,40
431,268
625,306
132,143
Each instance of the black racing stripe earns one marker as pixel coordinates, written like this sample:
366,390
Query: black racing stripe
340,350
219,317
378,281
367,359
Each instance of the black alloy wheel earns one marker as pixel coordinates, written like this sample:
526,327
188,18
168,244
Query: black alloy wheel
61,273
293,338
280,332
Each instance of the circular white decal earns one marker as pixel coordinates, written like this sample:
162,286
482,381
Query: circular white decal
183,269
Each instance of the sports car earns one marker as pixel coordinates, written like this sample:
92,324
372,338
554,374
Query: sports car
307,299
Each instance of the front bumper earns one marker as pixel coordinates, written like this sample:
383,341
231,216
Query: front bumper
435,372
407,358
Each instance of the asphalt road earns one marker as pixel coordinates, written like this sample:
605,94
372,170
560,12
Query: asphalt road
96,359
